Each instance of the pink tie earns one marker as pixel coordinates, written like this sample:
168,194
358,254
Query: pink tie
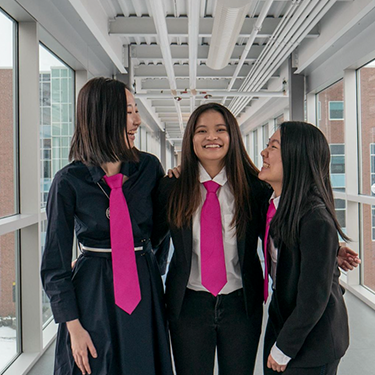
214,274
125,275
270,214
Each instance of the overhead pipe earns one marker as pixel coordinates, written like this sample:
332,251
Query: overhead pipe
157,8
278,33
296,33
229,17
310,22
193,30
209,94
257,27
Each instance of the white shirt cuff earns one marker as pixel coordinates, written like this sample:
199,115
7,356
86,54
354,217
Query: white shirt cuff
279,356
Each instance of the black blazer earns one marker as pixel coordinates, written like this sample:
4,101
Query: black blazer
179,269
307,308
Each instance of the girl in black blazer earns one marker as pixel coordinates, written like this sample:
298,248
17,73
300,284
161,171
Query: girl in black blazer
307,330
201,322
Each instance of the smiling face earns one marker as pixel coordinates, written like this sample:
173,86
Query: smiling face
133,119
211,139
272,169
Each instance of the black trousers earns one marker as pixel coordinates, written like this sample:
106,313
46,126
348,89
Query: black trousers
209,323
270,339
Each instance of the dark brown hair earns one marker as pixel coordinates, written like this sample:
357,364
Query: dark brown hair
100,134
306,179
186,197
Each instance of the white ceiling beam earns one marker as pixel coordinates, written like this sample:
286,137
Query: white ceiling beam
193,28
159,19
263,94
178,27
202,85
181,52
182,71
336,23
93,15
151,111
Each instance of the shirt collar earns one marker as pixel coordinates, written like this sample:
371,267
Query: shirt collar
276,200
220,178
97,172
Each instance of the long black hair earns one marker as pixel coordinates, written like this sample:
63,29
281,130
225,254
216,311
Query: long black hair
306,179
186,197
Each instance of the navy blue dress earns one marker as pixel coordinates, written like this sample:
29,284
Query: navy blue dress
136,344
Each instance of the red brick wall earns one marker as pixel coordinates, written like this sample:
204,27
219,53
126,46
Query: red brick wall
367,95
7,188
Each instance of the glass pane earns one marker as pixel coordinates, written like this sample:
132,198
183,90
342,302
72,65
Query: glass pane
46,306
9,334
8,151
366,81
255,147
57,109
330,108
368,246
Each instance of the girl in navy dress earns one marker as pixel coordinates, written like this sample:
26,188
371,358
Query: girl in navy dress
95,336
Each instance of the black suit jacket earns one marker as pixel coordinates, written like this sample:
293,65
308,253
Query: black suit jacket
179,269
307,308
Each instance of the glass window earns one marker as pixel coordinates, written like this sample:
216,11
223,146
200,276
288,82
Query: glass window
255,147
57,114
9,321
366,82
46,306
8,149
368,246
331,123
277,122
336,110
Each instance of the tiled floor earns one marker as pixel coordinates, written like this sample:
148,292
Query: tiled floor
359,360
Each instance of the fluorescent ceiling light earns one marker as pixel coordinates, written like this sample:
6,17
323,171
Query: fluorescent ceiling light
228,20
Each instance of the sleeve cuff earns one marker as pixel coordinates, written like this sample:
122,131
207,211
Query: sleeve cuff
279,356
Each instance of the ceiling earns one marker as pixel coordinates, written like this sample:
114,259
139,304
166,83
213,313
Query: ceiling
178,54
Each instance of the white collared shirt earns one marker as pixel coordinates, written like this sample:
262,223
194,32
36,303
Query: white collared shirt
227,207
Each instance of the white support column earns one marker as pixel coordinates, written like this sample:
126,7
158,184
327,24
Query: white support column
351,165
311,109
30,186
81,79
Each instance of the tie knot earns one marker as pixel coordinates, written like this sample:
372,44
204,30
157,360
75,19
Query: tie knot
115,181
271,211
211,186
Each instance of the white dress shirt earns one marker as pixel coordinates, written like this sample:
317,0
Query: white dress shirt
232,262
276,353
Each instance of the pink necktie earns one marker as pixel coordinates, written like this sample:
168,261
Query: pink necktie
125,274
213,271
270,214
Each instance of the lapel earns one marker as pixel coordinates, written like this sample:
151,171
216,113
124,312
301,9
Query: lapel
241,250
187,240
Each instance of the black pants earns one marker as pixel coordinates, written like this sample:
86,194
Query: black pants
207,323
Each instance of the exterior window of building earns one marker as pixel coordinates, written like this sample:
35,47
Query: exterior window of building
255,147
46,306
56,92
278,121
56,89
10,335
366,110
265,135
334,131
336,110
337,166
8,150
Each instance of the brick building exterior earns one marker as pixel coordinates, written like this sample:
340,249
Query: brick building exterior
7,189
